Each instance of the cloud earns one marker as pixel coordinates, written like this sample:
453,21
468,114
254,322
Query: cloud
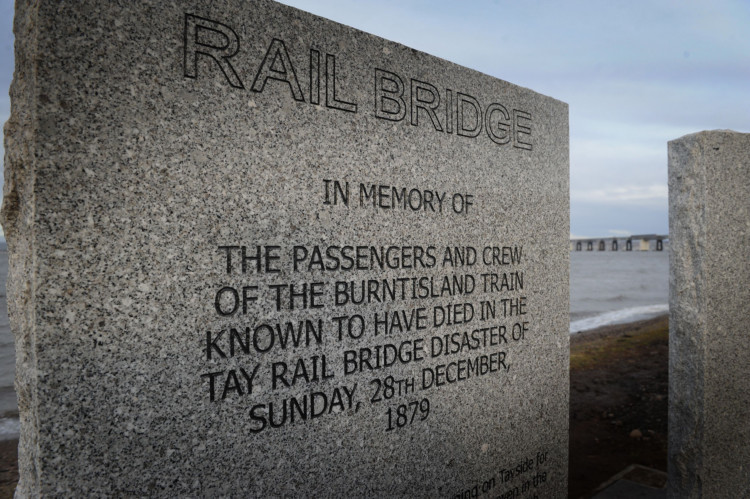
641,194
598,219
620,232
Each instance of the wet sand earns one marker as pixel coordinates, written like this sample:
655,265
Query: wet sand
618,402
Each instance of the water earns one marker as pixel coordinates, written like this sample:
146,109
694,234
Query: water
614,287
9,425
605,288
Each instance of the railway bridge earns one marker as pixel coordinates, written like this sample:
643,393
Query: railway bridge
640,242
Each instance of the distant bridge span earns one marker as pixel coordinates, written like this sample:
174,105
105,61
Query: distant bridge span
640,242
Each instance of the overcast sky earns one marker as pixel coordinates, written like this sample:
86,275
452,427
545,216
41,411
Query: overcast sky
635,74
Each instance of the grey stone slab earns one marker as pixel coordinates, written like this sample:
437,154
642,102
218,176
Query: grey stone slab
709,357
152,145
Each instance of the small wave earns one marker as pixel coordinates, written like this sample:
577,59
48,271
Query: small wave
618,298
10,428
618,317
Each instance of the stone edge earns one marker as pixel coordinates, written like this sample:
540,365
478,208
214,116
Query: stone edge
17,218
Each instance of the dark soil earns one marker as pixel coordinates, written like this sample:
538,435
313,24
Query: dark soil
618,402
8,467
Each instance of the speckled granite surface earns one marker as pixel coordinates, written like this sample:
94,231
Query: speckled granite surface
255,252
709,358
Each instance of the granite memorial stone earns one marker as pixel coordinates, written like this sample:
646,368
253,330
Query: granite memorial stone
256,252
709,356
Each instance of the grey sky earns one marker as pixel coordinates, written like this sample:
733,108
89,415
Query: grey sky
635,73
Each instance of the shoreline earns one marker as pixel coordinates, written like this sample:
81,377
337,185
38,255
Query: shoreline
609,330
630,315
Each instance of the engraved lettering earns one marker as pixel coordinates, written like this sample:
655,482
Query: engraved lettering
198,41
469,124
425,96
314,77
277,65
389,96
331,100
448,110
521,129
312,405
497,123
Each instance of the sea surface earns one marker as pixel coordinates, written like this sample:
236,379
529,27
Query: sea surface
614,287
9,425
605,288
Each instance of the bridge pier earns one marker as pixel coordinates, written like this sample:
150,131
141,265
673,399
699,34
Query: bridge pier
642,243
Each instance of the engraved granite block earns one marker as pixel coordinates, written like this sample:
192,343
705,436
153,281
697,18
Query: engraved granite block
255,252
709,357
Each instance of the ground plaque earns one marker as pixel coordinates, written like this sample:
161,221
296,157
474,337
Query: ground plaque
257,252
